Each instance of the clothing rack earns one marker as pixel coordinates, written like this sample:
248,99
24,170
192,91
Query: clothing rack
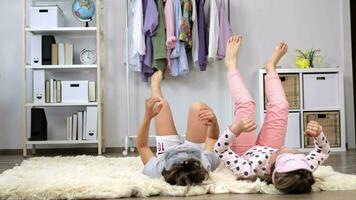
129,145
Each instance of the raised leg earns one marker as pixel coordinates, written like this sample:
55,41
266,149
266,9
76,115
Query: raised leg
274,127
196,129
164,120
244,104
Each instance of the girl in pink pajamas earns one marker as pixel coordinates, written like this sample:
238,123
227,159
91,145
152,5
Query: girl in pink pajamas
265,157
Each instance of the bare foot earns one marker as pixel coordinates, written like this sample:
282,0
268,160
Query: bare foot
232,50
156,80
278,53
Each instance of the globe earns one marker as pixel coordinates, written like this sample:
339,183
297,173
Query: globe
83,10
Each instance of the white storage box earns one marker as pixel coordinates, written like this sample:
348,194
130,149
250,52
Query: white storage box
75,91
293,131
46,17
321,91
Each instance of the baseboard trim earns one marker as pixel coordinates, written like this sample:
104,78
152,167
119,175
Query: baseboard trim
62,151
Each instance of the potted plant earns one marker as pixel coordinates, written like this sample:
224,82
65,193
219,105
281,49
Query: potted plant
305,58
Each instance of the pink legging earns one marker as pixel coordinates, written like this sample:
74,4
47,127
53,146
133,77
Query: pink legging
274,128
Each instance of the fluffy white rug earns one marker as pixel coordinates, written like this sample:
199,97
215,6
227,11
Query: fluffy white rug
101,177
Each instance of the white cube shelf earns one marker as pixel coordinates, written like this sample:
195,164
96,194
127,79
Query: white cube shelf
321,91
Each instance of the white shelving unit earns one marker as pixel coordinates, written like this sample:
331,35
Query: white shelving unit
298,114
96,32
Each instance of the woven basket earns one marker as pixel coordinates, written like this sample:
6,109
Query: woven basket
330,121
290,83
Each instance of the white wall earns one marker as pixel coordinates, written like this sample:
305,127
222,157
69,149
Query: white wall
301,23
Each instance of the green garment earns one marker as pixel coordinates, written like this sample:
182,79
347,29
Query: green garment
159,40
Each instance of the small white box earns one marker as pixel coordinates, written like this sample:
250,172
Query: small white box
91,123
75,91
36,50
39,86
321,91
293,131
46,17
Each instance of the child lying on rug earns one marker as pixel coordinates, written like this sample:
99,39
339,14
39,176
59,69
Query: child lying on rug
180,163
265,157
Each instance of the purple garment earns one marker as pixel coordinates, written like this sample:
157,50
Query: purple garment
150,24
224,32
202,49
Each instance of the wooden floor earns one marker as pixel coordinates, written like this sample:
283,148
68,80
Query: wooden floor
343,162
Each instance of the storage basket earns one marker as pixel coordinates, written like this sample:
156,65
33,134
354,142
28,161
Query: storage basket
330,121
290,83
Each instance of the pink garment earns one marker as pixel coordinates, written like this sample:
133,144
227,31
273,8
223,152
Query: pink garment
274,127
170,32
245,107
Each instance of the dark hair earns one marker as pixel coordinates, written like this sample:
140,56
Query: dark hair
294,182
190,172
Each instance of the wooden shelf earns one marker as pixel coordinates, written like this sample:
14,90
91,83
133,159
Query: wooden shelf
64,30
63,142
61,67
60,104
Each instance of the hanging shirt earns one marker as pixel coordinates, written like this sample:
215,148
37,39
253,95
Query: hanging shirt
224,31
213,30
254,161
202,52
195,36
179,56
149,28
170,32
159,40
186,26
136,40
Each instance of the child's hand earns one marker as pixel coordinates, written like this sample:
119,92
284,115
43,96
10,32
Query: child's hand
207,115
244,125
313,129
152,107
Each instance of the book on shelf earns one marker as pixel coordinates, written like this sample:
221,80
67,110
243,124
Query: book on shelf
54,91
75,126
71,128
60,54
84,124
68,54
92,91
47,92
80,125
54,54
68,128
58,92
51,90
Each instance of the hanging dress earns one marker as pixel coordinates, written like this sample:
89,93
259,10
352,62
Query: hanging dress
224,32
149,28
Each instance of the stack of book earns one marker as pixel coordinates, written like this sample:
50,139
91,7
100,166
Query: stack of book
62,54
82,125
53,93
